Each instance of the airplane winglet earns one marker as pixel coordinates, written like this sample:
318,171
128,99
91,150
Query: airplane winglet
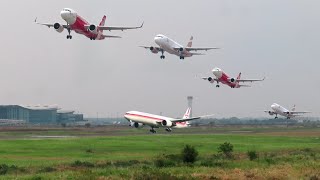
142,24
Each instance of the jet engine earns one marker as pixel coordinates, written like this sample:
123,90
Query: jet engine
138,125
167,123
93,28
209,79
154,50
58,27
181,49
271,113
232,80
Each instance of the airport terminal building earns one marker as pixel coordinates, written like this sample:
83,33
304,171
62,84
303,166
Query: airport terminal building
38,114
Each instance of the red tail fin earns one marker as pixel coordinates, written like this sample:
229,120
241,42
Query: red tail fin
103,21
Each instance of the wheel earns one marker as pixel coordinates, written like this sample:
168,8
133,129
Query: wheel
70,37
217,86
67,36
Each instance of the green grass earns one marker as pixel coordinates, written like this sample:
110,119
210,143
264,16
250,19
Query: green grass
36,155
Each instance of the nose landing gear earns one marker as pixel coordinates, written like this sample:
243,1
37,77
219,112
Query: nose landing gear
69,32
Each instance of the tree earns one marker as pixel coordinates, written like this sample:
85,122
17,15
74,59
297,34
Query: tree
189,154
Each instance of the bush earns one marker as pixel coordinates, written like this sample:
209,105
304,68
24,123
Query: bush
3,169
252,155
78,163
47,169
164,161
227,149
189,154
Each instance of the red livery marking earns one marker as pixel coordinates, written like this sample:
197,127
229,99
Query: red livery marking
138,115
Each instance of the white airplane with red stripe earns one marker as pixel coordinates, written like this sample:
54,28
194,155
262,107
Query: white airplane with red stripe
222,77
172,47
139,119
278,109
79,25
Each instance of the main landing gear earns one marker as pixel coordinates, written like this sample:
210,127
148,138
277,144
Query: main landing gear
168,129
92,38
181,57
276,116
153,131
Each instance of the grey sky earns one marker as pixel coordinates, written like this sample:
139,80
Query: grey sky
272,38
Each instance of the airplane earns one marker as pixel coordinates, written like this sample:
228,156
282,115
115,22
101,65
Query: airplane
78,24
277,109
172,47
139,119
225,79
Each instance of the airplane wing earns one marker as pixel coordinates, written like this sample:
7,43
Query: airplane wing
194,49
197,54
211,79
297,112
148,47
249,80
114,28
190,119
49,25
107,36
199,49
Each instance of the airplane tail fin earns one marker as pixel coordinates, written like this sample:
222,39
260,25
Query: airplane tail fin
103,21
293,108
239,76
190,42
187,114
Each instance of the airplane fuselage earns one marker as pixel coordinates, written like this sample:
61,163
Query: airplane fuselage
171,46
151,119
224,78
78,24
281,110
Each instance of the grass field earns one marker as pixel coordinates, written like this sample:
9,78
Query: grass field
98,154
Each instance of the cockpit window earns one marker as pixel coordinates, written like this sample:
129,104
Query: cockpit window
67,10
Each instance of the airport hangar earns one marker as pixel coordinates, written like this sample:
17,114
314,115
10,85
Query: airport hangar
38,114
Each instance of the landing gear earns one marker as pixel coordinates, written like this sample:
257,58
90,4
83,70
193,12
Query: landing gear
153,131
69,32
92,38
162,56
181,57
217,85
276,116
168,129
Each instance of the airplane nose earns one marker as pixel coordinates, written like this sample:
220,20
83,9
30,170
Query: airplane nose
68,16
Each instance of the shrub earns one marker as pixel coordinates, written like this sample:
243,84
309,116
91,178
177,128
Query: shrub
163,161
252,155
3,169
189,154
227,149
78,163
47,169
89,151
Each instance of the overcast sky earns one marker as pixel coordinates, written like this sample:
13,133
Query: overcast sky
279,39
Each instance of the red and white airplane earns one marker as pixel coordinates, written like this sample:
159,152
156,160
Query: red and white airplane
225,79
78,24
139,119
277,109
